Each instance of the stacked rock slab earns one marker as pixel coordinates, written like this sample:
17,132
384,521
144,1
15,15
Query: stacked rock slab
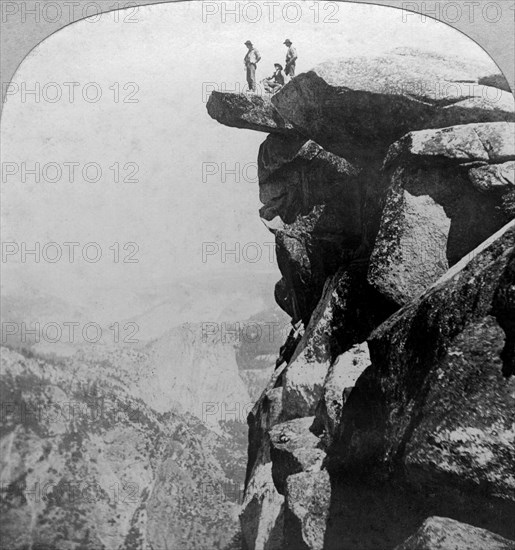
252,112
446,191
446,534
348,105
294,449
340,379
356,154
312,203
306,510
346,313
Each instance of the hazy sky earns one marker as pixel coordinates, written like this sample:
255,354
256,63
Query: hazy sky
172,54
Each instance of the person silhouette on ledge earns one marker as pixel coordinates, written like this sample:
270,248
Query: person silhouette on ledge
275,82
291,58
250,61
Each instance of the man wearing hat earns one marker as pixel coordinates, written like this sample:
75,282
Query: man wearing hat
291,58
275,82
251,60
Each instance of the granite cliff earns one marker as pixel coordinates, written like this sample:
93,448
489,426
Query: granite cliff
388,183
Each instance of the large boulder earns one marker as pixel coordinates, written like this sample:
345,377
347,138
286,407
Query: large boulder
306,256
436,408
460,144
345,315
447,534
350,103
494,177
294,449
261,517
308,497
446,190
340,379
248,111
313,205
262,513
295,176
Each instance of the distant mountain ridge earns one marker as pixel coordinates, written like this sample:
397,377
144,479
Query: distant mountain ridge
157,428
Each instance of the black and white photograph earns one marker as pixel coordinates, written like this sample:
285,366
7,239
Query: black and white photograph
257,275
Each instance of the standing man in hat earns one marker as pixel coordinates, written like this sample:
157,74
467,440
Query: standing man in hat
291,58
251,60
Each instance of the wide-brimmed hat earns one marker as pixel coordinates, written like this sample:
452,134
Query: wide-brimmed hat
287,41
248,42
278,65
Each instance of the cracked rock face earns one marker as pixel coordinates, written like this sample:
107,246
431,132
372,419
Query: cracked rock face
308,497
382,176
346,313
261,518
340,379
290,185
490,177
438,404
313,200
446,534
444,200
294,449
249,111
262,514
306,257
460,144
349,103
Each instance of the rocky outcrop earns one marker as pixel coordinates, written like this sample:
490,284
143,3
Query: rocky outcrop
262,509
399,168
294,449
249,111
352,103
296,175
497,177
308,495
446,534
312,204
437,405
340,379
461,144
262,516
346,313
444,199
323,187
304,264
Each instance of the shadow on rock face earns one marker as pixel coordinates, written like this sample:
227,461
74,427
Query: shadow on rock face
504,310
364,515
